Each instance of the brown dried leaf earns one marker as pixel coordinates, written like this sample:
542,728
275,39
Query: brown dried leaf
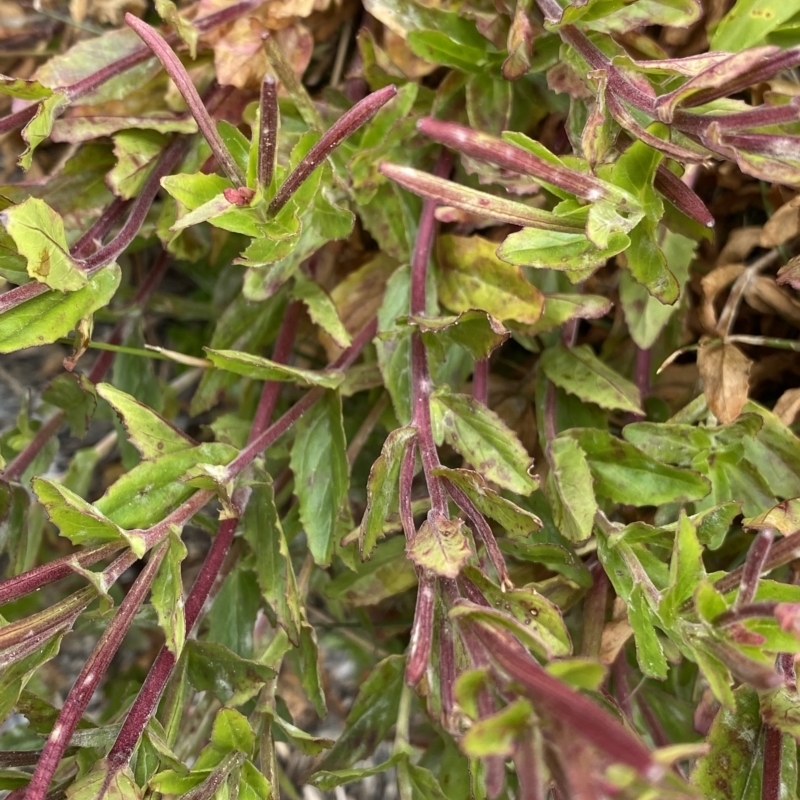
790,273
783,225
712,284
740,244
788,406
725,371
615,633
239,56
762,294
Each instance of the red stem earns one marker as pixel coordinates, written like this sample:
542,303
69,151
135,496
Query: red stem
91,675
267,131
753,565
480,381
347,124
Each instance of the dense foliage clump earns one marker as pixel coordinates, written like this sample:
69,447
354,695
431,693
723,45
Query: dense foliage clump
423,403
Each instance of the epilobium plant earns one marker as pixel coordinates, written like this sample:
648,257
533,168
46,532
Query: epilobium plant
555,570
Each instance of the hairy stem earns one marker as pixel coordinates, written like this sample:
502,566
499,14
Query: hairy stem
267,131
177,72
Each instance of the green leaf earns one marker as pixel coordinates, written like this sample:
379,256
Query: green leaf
489,101
166,596
547,249
274,570
733,766
52,315
321,309
321,473
232,731
475,331
193,191
136,152
305,742
484,440
625,474
382,488
441,546
263,369
214,668
307,659
775,452
372,716
540,618
649,651
686,568
575,506
648,264
421,782
74,394
749,22
38,129
546,640
579,371
471,276
497,735
253,785
104,782
151,434
387,573
327,780
38,232
147,493
645,315
232,616
438,48
79,521
514,521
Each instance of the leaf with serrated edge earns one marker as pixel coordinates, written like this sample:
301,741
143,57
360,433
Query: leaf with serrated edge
321,309
263,369
52,315
39,234
574,485
514,520
579,371
382,488
440,546
149,432
484,440
321,473
166,595
471,276
79,521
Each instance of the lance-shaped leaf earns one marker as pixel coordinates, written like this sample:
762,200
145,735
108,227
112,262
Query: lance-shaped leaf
441,546
382,488
75,394
498,734
147,493
52,315
39,234
541,617
321,473
372,716
480,203
766,156
263,369
471,276
321,309
149,432
748,23
276,579
560,308
579,371
514,521
571,479
475,331
327,780
567,250
626,475
166,595
38,129
79,521
735,759
649,650
484,440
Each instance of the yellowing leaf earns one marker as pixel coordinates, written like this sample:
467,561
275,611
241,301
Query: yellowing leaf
473,277
440,546
38,232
